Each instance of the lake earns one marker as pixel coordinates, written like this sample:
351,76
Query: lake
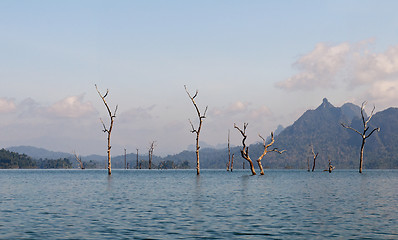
177,204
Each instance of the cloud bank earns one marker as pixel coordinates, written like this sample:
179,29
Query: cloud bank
71,107
7,105
350,66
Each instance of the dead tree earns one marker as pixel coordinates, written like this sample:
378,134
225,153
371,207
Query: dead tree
197,130
267,151
229,154
330,167
363,134
150,153
125,159
79,160
136,166
232,162
314,156
108,130
245,149
308,164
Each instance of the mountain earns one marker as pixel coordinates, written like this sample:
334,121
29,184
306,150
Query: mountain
38,153
322,129
351,111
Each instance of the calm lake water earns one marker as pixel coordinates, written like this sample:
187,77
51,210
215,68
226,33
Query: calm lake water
177,204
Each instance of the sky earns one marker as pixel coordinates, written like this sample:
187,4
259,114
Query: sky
260,62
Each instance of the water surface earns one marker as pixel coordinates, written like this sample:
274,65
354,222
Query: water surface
177,204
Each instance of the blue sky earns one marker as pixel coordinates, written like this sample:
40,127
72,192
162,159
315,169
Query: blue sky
261,62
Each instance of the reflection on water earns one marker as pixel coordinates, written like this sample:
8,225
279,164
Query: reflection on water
172,204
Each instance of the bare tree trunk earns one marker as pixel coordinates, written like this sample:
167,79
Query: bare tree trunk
308,164
149,160
197,131
245,150
78,160
361,157
267,151
136,166
229,154
232,162
150,153
314,156
313,165
106,130
260,166
330,168
109,154
125,159
363,134
197,155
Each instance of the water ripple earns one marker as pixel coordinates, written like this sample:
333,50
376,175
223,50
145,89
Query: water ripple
72,204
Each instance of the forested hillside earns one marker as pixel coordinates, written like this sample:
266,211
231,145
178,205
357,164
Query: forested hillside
12,160
15,160
321,128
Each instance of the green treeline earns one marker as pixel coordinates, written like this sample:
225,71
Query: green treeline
58,163
12,160
15,160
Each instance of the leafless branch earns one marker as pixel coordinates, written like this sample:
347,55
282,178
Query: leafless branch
348,127
376,129
193,128
276,150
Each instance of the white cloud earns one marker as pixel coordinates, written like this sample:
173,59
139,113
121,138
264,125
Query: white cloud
7,105
375,67
237,107
383,93
241,110
351,66
71,107
319,68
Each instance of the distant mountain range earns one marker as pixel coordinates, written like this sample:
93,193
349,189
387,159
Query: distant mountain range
320,128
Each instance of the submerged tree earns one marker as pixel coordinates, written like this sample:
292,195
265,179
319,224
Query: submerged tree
363,134
108,130
314,156
232,162
245,149
330,167
125,160
136,166
78,159
150,153
267,151
229,154
197,130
